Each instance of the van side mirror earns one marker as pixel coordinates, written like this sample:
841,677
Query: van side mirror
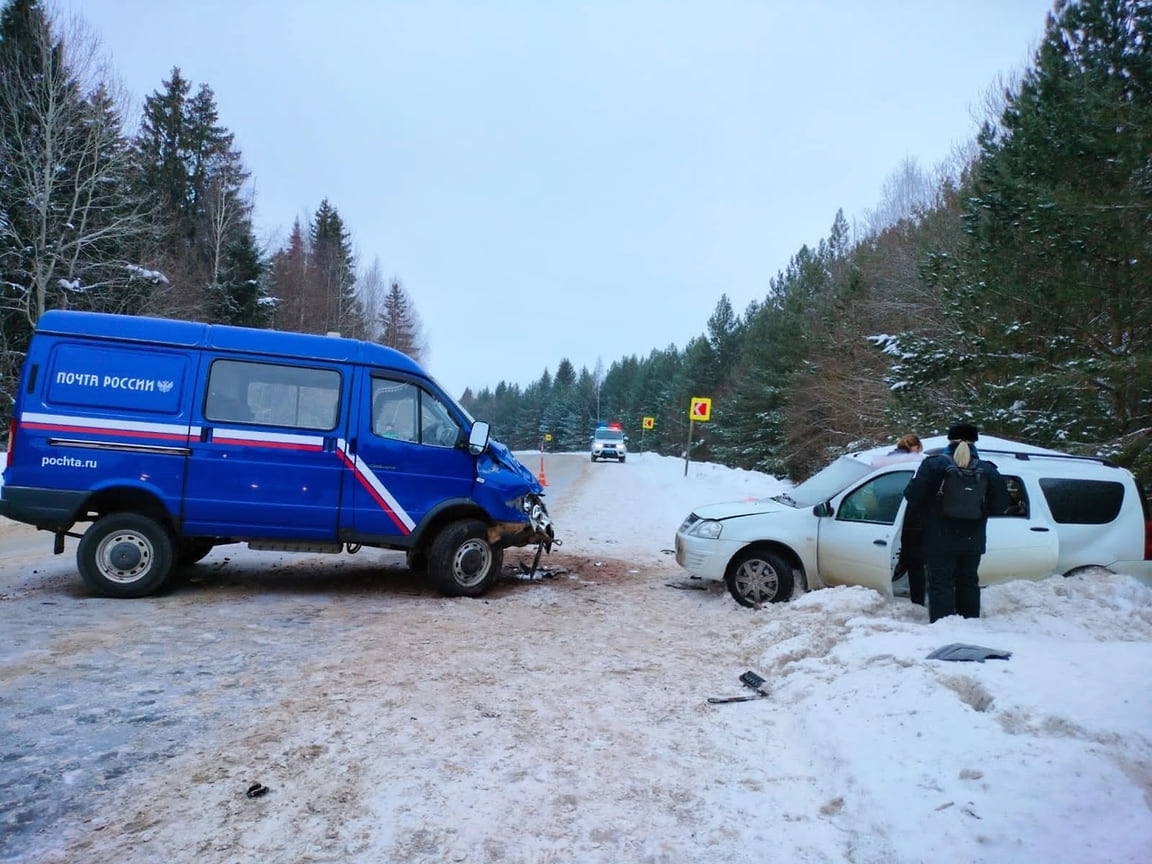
478,437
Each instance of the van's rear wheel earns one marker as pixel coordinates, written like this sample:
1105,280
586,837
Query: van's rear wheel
461,562
125,555
756,576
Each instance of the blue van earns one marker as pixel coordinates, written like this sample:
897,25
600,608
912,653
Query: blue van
172,437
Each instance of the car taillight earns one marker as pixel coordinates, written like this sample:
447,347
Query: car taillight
11,440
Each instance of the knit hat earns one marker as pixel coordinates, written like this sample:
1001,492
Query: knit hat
963,432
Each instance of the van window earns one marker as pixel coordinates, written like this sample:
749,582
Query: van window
296,397
406,412
1083,502
878,500
394,409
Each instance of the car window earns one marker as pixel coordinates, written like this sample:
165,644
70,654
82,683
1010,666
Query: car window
1082,502
1019,496
878,500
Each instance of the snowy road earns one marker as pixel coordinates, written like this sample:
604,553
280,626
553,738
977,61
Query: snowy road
390,723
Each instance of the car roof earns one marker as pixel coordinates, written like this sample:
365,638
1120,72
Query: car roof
1011,456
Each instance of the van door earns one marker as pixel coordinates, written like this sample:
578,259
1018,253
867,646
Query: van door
409,455
264,460
858,544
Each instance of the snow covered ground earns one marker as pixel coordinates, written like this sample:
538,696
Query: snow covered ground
564,719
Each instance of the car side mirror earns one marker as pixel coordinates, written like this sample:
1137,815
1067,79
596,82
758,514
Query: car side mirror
824,508
478,437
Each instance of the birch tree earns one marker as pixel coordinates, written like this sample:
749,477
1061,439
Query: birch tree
68,233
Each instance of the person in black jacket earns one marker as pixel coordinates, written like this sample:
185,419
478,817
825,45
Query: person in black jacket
952,547
911,560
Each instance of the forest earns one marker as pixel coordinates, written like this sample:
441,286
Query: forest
1011,287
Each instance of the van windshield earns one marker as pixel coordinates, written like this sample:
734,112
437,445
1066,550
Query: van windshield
825,483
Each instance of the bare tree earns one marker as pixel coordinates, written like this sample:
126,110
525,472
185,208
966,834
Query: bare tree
66,166
907,193
372,289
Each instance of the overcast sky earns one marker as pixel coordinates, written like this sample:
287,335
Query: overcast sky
575,179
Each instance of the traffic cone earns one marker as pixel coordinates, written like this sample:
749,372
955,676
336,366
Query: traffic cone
540,476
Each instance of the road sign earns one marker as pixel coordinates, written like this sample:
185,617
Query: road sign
701,410
547,436
649,422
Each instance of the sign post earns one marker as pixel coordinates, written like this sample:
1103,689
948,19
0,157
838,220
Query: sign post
700,411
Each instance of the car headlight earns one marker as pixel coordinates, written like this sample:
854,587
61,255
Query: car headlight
707,529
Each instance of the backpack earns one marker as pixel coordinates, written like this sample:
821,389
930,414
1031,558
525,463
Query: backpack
963,492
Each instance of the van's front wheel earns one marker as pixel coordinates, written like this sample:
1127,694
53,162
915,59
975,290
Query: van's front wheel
125,555
461,562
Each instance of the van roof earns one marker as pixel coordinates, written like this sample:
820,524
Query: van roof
191,334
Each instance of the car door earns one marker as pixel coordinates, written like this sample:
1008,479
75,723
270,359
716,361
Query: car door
858,543
1024,543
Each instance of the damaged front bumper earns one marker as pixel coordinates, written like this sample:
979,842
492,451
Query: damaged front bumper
537,528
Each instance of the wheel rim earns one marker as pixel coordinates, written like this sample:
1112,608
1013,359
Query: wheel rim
471,563
757,580
124,557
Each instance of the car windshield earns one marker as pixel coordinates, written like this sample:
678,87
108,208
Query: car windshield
825,483
609,435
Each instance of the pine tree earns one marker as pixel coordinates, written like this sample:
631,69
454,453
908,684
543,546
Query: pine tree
1049,294
332,274
289,285
399,323
189,170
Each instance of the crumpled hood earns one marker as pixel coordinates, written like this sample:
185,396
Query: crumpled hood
733,509
499,456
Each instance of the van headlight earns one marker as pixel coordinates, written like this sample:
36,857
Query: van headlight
707,529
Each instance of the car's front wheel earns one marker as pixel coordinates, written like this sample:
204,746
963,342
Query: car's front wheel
461,561
757,576
125,555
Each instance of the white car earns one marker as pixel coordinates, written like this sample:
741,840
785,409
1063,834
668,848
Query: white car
842,525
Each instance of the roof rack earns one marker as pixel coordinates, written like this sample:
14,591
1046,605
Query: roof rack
1027,457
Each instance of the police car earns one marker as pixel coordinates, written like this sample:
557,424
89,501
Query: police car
842,525
608,442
